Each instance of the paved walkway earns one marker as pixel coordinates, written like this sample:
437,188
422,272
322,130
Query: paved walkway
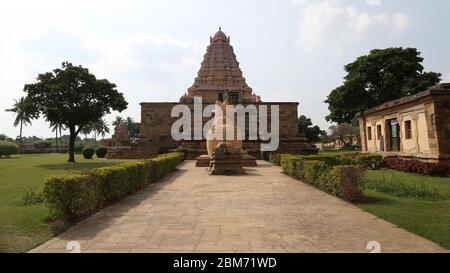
263,211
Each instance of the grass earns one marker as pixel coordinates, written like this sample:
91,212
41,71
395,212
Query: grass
24,226
417,203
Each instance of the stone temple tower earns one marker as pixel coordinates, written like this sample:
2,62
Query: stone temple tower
219,73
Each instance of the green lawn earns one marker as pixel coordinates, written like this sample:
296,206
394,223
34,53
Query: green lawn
24,227
427,218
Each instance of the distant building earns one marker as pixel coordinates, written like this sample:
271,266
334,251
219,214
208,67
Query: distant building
414,126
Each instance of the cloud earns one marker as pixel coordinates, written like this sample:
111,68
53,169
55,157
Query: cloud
373,2
446,78
334,22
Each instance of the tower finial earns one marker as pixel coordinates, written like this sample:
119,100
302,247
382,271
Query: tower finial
220,28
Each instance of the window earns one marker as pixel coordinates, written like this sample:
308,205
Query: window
220,97
408,131
369,133
379,132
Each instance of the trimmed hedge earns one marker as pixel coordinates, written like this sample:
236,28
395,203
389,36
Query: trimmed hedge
71,195
344,181
331,160
74,195
101,152
275,158
8,148
182,150
42,145
417,166
370,162
88,152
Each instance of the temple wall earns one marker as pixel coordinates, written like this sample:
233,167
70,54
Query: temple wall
156,124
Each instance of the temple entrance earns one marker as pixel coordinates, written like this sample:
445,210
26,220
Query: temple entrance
394,135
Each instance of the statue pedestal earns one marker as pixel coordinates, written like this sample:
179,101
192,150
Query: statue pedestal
204,160
226,160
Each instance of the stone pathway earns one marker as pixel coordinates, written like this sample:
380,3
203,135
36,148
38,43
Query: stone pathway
263,211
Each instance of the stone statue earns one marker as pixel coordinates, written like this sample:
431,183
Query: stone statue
218,132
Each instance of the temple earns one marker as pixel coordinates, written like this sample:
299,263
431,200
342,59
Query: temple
219,74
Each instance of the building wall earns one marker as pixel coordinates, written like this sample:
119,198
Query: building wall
156,123
422,142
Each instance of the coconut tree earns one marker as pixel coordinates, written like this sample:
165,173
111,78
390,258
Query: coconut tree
23,114
57,128
100,128
118,120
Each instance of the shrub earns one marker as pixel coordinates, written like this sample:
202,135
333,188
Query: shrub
345,182
8,148
331,160
288,164
182,150
88,152
274,158
71,195
101,152
74,195
417,166
118,181
370,162
164,164
313,170
42,145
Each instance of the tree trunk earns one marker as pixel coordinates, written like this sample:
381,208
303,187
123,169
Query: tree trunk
72,144
60,137
20,135
56,139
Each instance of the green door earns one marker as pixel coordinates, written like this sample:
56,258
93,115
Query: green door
395,135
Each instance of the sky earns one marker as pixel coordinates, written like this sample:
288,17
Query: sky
289,50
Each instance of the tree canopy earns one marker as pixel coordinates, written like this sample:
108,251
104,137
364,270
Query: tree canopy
382,75
312,133
73,97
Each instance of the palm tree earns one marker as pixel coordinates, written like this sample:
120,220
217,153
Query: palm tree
87,129
100,128
23,115
118,120
56,127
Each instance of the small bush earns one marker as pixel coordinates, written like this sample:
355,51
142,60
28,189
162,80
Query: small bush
313,170
288,164
370,162
74,195
417,166
182,150
343,181
118,181
8,148
101,152
42,145
71,195
164,164
331,160
88,152
274,158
